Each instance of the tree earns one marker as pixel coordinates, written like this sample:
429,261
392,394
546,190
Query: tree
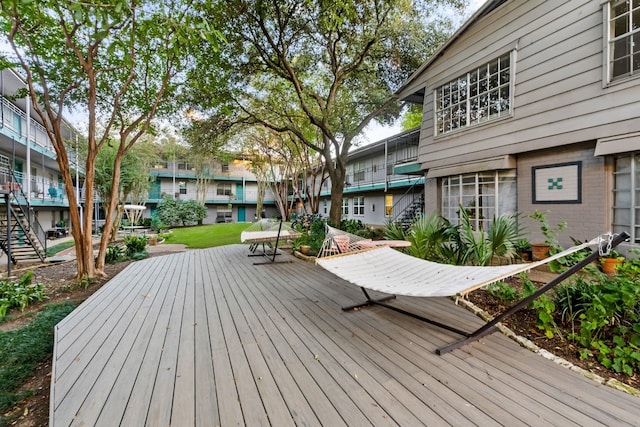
412,117
120,60
134,178
330,64
206,140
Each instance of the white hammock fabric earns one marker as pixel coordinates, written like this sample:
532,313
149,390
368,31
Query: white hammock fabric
266,230
387,270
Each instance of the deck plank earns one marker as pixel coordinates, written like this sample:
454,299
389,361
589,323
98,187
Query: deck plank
206,338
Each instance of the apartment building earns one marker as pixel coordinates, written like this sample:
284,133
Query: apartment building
535,105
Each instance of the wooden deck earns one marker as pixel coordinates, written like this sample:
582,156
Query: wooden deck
206,338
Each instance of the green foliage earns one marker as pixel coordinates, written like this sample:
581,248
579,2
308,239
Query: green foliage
412,117
608,312
544,307
351,225
434,238
504,292
115,253
135,244
156,224
176,212
574,297
19,294
23,349
316,235
550,233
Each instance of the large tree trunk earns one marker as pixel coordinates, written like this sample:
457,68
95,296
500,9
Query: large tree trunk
337,175
82,231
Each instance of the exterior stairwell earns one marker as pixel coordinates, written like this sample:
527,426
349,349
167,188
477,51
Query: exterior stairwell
21,236
409,207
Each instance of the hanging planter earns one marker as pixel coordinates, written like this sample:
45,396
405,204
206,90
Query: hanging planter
610,265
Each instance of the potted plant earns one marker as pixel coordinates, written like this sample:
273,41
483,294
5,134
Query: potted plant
523,249
541,250
611,262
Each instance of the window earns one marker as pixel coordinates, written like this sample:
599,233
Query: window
482,195
358,172
225,213
345,207
324,206
388,204
624,38
358,205
626,196
475,97
223,190
225,167
183,187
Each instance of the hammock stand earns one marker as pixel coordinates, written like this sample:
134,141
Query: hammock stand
264,233
488,328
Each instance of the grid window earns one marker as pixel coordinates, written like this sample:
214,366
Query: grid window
624,38
475,97
345,207
223,190
225,167
482,195
358,205
183,187
626,196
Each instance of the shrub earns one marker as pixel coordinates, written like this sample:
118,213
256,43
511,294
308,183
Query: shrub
115,253
351,225
135,244
19,294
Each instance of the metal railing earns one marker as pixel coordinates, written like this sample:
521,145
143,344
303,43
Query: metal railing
411,198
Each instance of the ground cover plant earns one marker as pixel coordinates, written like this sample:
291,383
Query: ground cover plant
19,294
22,349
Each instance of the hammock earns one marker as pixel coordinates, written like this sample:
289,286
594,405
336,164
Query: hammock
267,231
403,274
386,270
264,232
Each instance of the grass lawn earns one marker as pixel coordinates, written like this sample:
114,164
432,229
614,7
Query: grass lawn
54,249
208,236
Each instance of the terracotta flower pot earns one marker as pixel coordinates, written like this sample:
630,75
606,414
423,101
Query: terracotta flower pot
305,249
540,251
610,265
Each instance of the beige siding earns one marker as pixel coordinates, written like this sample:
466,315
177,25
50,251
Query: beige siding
559,97
585,220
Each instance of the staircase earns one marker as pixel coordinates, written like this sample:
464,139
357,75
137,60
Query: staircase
409,207
21,236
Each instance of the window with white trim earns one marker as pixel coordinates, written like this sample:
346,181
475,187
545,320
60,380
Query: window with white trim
624,38
345,207
478,96
482,195
358,205
223,190
182,187
626,196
